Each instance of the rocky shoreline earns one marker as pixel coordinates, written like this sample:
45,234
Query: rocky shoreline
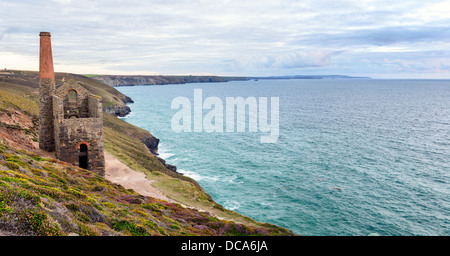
116,110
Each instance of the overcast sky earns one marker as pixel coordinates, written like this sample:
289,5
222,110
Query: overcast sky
381,39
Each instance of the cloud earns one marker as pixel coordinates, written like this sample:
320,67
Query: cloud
304,59
228,36
421,62
316,58
406,64
62,1
379,36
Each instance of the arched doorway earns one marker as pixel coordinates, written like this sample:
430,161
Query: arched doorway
83,156
72,95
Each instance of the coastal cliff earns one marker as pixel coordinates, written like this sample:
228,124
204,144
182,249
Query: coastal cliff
122,80
113,103
40,195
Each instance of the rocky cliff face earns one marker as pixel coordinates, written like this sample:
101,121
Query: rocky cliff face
120,108
117,110
119,80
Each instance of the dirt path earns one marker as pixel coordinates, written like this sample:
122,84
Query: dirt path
119,173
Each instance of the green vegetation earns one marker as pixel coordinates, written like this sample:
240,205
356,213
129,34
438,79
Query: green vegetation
91,75
19,98
112,99
42,196
130,150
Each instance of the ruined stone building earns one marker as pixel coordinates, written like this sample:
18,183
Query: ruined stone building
70,117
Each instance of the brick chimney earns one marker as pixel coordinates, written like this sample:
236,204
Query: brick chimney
46,91
45,57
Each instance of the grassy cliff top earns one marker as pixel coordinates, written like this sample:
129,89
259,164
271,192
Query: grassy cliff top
30,79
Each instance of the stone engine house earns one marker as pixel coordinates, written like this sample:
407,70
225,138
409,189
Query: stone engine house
70,117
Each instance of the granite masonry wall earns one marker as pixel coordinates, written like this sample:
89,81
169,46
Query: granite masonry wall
71,133
46,134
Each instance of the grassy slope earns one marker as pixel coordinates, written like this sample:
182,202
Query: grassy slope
122,140
19,97
30,79
42,196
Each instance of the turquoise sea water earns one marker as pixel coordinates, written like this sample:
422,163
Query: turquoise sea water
354,157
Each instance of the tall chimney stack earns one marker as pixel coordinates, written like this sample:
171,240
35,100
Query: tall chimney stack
46,91
45,57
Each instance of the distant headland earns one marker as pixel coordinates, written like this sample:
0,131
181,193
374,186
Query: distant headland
131,80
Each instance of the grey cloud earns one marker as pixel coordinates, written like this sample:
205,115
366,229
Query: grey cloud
379,36
305,59
221,36
301,59
392,35
395,63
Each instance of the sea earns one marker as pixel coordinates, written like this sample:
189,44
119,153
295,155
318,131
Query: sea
354,157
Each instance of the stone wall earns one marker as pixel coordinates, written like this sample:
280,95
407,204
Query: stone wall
46,130
94,106
71,133
79,107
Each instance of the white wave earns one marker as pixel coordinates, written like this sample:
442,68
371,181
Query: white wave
231,205
231,179
190,174
165,155
127,116
164,152
197,176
